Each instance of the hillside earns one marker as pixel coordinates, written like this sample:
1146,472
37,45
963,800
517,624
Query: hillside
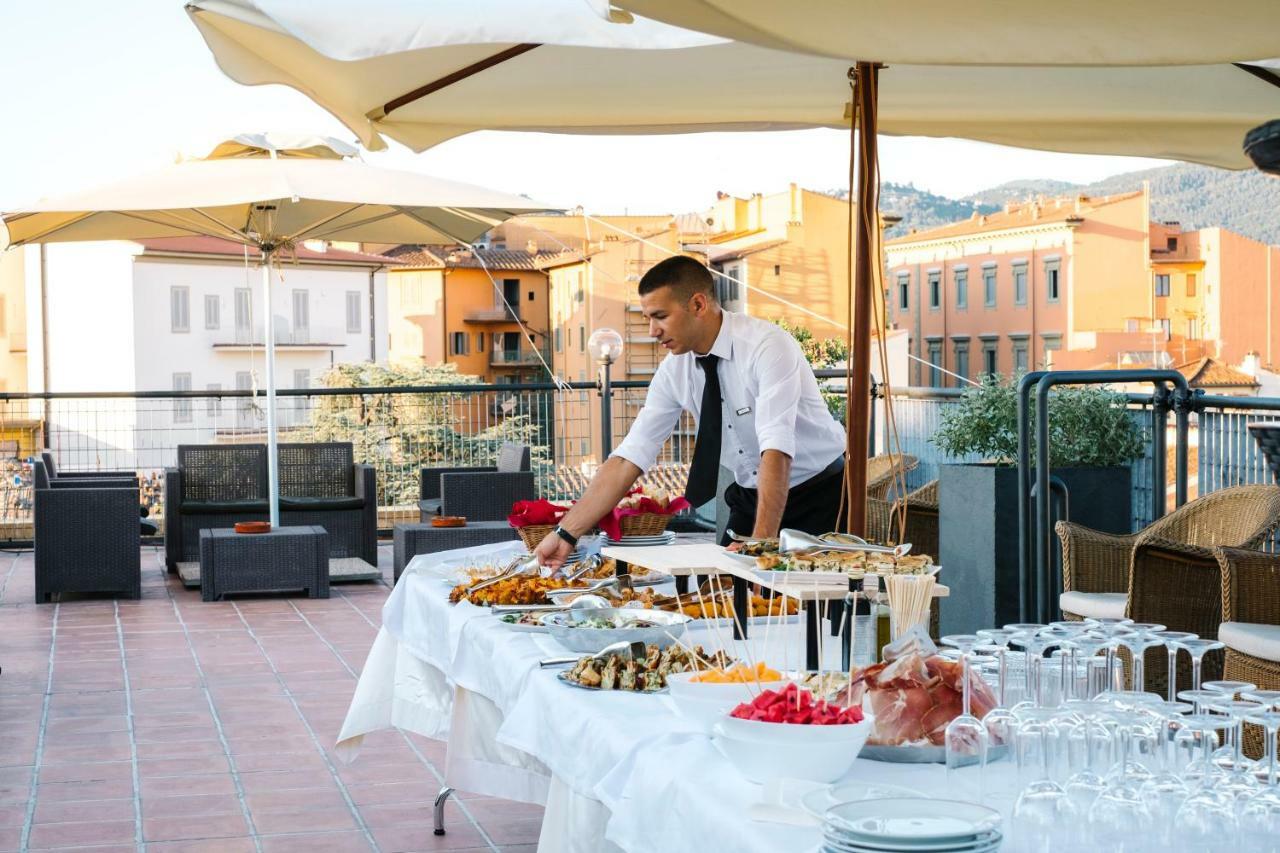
1247,202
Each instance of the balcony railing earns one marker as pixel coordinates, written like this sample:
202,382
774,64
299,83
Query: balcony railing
309,337
516,358
501,314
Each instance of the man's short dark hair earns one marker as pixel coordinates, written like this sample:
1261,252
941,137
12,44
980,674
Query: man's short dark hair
682,274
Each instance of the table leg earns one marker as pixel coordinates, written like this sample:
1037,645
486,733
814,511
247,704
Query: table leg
834,611
741,608
441,799
812,625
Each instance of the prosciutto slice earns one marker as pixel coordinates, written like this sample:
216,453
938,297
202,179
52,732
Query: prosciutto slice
914,697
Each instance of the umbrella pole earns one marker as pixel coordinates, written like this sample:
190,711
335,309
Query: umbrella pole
269,344
859,404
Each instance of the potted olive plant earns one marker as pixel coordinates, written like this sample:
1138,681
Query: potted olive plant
1093,440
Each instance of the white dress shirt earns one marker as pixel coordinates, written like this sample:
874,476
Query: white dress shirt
771,402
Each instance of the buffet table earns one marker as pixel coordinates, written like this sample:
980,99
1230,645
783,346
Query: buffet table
614,770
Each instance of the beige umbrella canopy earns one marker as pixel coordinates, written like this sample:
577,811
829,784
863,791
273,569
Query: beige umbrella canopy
986,32
560,67
270,192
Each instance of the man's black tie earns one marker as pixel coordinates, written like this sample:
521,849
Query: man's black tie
704,471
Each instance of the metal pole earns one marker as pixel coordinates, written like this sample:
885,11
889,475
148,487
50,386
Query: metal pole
606,410
1039,581
1159,448
269,344
1182,403
1026,594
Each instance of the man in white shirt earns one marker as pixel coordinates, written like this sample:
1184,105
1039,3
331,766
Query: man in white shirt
758,409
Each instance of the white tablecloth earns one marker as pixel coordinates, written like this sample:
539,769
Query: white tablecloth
615,766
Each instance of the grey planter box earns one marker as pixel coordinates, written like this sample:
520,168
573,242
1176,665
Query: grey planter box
978,534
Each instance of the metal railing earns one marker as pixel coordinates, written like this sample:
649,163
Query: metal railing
400,429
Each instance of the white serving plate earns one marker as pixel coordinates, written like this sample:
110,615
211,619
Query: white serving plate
911,823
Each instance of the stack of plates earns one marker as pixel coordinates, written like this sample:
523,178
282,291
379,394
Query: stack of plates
664,538
918,825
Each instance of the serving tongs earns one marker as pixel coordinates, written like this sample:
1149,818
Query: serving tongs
634,650
798,542
622,583
518,566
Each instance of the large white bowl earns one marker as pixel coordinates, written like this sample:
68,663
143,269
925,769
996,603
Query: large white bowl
787,734
816,760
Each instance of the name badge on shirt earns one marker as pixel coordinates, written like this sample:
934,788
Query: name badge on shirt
745,410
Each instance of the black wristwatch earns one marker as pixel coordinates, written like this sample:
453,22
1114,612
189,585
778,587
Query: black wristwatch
566,536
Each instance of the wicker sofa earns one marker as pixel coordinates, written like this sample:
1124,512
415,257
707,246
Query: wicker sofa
86,535
216,485
480,493
1251,624
1167,573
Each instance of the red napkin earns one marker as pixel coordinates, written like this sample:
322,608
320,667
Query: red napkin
541,511
611,524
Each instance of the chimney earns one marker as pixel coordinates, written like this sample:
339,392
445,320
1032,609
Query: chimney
1251,364
531,247
1035,210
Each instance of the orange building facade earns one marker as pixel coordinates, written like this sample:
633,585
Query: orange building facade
1076,283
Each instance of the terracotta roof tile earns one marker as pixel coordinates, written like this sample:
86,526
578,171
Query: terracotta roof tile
1210,373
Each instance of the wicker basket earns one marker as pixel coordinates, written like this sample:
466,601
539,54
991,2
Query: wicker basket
643,524
532,534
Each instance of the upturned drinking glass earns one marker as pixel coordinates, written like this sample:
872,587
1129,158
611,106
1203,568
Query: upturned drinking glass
1000,720
1024,634
1143,638
1171,640
965,738
1084,648
1090,745
1239,780
1043,810
1197,649
1260,813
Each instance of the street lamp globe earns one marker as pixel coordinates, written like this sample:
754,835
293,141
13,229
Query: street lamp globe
605,345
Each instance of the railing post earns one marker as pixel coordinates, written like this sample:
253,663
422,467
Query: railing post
1026,589
1161,402
606,411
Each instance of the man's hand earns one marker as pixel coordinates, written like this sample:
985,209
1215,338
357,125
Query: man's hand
552,551
772,488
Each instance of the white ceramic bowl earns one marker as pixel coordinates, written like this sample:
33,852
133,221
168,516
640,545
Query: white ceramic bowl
816,760
708,712
793,733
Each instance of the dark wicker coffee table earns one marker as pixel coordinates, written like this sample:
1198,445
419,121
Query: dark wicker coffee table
287,558
414,539
1267,434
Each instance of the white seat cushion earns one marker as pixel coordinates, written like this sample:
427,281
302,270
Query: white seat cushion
1259,641
1094,605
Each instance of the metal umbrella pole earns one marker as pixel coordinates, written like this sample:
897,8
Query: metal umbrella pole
269,344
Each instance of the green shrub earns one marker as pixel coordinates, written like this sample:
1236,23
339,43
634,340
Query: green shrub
1088,426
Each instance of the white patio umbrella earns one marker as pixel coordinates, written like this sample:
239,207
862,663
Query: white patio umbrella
1080,84
985,32
557,66
270,193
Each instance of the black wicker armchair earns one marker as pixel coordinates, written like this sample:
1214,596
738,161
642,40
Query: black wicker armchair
86,536
481,493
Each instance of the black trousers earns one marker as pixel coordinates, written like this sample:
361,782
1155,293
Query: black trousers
813,506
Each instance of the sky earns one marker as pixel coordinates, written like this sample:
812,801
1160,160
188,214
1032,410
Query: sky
98,91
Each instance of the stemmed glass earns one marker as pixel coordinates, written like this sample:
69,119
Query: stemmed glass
1024,634
965,736
1085,647
1113,629
999,720
1142,638
1239,782
1090,744
1119,817
1044,807
1164,793
1226,755
1171,640
1260,813
1206,819
1198,648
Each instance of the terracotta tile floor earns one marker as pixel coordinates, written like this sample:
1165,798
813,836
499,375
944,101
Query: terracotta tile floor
169,724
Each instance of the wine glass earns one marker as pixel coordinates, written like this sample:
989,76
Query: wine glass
999,720
1260,813
1142,638
965,738
1239,781
1085,647
1164,793
1171,640
1198,648
1113,630
1118,818
1043,808
1090,744
1024,634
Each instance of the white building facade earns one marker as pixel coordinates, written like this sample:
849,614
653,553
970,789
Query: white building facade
186,314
